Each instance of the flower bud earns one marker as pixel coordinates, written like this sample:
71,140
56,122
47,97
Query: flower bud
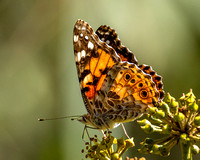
160,114
168,98
174,105
143,122
164,106
152,110
151,128
147,128
166,129
120,144
190,97
156,149
182,100
197,120
193,107
179,117
184,138
115,156
129,143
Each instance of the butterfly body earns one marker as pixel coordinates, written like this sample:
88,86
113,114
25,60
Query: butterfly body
114,88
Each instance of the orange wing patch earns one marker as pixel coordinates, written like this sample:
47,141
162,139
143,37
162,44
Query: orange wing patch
97,66
91,93
100,82
102,63
134,82
87,85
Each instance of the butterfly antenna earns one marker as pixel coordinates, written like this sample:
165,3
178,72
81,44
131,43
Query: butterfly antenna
72,118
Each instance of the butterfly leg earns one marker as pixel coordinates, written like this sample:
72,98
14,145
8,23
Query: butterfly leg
125,131
83,134
85,130
104,135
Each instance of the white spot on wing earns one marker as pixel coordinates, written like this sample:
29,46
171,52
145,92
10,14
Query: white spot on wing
86,37
108,42
83,53
90,45
75,38
78,56
81,35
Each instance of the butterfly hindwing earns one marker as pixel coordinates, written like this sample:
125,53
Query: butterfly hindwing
155,77
129,91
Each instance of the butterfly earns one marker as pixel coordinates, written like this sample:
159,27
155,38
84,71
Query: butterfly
114,88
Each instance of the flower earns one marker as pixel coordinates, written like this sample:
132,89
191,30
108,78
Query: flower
104,149
179,120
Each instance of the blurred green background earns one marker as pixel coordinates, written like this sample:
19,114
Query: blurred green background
38,74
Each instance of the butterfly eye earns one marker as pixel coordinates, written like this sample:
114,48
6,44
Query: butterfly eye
127,76
143,94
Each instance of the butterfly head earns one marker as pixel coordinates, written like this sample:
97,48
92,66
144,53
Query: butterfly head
97,122
87,120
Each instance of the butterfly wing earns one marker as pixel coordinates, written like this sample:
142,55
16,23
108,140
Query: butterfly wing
129,92
94,59
110,36
157,79
128,100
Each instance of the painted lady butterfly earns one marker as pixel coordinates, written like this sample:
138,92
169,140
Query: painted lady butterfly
115,89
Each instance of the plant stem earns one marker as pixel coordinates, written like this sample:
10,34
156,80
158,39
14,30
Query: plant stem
186,151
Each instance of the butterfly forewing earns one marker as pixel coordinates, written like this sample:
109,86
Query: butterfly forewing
94,59
109,36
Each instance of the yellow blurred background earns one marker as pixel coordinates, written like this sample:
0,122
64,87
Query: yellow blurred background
38,74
